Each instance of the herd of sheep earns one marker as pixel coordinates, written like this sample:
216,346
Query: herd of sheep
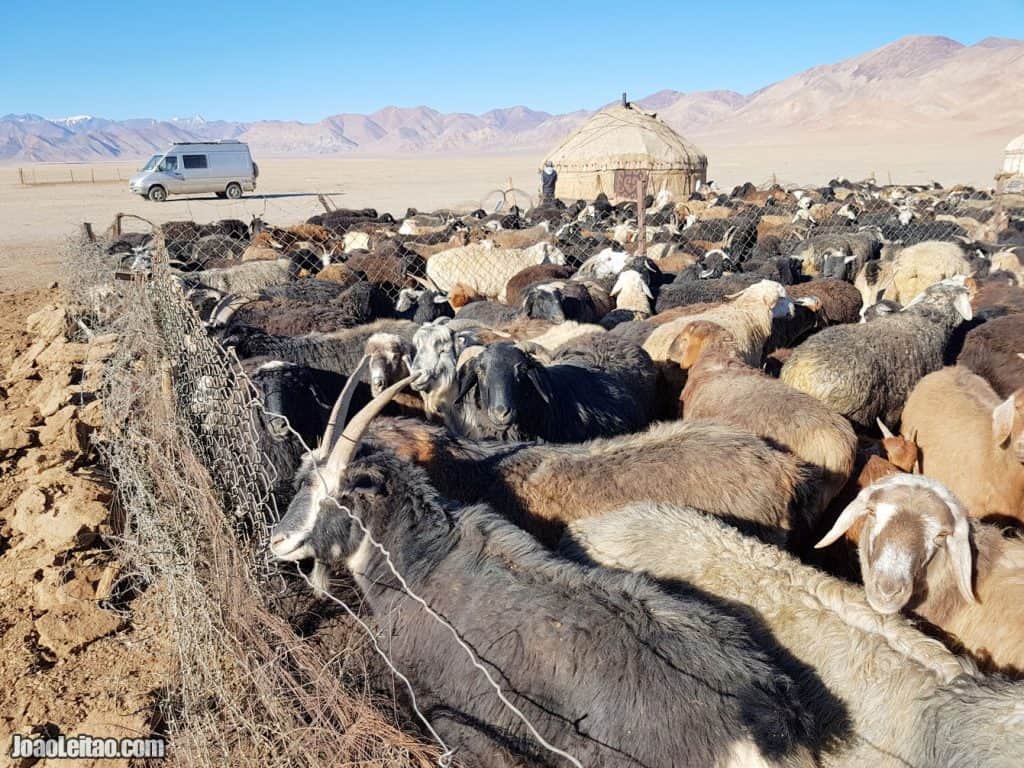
745,493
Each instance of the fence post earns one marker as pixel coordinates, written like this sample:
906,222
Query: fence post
21,176
87,232
92,174
641,215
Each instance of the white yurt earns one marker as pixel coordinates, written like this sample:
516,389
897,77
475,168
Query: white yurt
610,151
1011,177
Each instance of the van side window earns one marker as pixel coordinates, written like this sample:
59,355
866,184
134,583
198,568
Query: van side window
169,163
194,161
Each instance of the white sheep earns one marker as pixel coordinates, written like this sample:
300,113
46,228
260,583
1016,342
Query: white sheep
632,293
485,268
747,315
904,699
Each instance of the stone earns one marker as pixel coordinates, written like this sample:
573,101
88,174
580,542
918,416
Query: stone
71,627
71,515
15,430
25,363
49,323
51,393
65,433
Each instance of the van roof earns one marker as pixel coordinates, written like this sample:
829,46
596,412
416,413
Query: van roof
204,143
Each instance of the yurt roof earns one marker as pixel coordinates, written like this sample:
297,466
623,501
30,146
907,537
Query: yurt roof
1017,145
626,137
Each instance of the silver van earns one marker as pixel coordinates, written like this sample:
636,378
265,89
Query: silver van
223,167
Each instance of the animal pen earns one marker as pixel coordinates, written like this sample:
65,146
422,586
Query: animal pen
186,440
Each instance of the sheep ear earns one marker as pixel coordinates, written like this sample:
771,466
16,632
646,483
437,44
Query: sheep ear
811,302
958,548
1002,420
962,304
856,510
440,298
886,432
616,289
467,380
647,291
539,384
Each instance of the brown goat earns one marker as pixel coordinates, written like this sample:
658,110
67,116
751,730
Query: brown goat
970,441
524,278
460,295
723,470
921,552
721,386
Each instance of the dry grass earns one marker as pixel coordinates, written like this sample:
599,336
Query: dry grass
248,689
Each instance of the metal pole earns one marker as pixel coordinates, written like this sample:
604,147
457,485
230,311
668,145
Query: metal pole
641,215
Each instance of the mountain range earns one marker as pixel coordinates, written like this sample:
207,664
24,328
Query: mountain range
918,88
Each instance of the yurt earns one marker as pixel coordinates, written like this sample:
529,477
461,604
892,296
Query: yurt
615,147
1013,166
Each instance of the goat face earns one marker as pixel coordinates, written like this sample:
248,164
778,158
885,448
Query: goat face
434,361
907,521
315,524
545,302
387,354
836,263
879,309
506,381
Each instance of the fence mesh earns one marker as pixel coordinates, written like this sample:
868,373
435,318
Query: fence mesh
265,675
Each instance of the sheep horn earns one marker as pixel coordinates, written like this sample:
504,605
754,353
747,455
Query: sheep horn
340,410
429,283
886,432
346,446
226,308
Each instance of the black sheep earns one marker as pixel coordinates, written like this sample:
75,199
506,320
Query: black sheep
596,386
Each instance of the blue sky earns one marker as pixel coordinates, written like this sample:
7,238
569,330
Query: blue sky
259,59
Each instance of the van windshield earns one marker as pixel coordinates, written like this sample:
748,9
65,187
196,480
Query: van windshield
151,163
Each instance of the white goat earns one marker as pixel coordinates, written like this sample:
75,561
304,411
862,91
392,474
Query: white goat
904,699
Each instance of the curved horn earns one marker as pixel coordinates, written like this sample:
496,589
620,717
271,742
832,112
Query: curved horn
340,410
853,512
886,432
346,445
227,307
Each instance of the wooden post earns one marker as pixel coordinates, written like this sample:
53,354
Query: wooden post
87,232
116,226
72,170
323,201
641,215
21,176
92,174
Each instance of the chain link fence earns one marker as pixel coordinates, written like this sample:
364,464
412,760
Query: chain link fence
265,674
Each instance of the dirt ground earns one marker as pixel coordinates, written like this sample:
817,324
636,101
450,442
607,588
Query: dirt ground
79,653
35,220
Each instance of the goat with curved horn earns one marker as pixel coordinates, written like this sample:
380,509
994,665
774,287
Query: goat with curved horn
321,475
345,447
340,410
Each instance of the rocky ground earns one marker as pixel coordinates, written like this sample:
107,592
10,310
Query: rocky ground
80,651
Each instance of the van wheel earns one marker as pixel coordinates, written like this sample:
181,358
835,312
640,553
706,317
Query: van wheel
221,195
233,190
157,193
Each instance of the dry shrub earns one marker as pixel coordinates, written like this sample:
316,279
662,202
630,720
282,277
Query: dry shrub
194,494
